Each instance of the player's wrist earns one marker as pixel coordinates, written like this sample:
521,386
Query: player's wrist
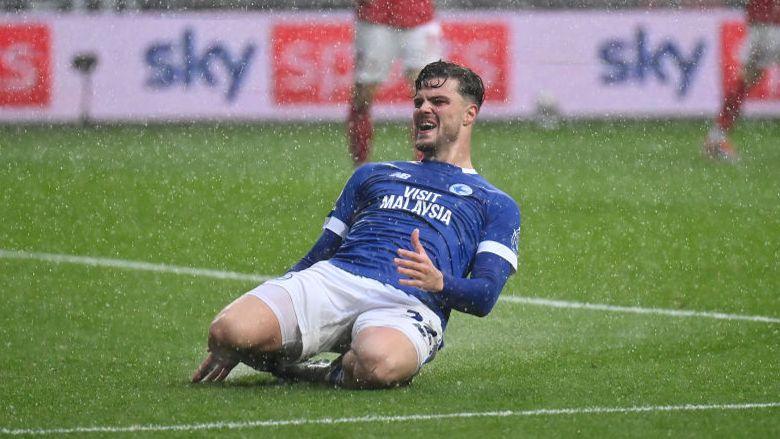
439,287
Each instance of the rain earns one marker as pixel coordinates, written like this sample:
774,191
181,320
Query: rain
161,160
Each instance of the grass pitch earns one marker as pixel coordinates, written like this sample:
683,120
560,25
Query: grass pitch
626,214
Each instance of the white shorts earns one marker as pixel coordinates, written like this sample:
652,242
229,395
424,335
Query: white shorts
763,45
377,46
332,306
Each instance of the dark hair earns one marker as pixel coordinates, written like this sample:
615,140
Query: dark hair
437,73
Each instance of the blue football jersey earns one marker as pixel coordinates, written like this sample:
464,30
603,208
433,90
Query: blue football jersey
458,212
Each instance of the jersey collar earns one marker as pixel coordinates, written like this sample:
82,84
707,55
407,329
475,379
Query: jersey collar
464,170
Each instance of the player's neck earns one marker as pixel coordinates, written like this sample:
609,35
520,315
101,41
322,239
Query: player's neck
458,155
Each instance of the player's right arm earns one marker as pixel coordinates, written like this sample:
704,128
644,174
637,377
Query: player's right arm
338,222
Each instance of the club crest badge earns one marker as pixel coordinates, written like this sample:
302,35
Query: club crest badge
461,189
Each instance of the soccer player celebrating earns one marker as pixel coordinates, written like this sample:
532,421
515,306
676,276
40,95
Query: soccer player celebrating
406,243
384,31
763,49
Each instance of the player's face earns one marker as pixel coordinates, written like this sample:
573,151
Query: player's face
438,116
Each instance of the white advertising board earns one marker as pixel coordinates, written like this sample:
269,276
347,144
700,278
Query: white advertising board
298,66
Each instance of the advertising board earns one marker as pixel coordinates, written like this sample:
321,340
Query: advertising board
298,66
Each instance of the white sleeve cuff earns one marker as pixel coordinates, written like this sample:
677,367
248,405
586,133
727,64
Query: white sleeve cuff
499,249
336,226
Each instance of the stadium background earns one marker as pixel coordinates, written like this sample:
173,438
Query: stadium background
296,64
646,299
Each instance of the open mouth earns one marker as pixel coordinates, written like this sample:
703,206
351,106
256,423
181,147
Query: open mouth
425,126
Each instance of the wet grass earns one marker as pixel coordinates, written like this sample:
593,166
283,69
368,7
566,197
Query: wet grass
620,213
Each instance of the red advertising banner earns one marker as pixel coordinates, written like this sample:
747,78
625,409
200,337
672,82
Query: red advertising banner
25,76
483,47
733,38
313,62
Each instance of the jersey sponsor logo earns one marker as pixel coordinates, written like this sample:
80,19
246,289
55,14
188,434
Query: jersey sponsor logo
636,60
25,57
186,63
461,189
401,175
419,202
733,38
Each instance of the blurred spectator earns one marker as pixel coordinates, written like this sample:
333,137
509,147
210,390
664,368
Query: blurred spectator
384,31
762,50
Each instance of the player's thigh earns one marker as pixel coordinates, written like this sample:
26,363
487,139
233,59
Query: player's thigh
363,94
421,45
376,47
324,305
409,335
385,352
762,48
247,323
774,45
279,301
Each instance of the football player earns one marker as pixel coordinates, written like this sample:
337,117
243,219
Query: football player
763,49
386,30
406,243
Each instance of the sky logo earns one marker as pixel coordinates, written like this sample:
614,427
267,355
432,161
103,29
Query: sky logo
634,60
181,63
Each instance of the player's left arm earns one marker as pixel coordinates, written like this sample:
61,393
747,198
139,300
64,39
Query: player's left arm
495,261
474,295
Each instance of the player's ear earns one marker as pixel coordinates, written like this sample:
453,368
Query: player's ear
471,114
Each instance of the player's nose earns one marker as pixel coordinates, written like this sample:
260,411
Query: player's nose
425,107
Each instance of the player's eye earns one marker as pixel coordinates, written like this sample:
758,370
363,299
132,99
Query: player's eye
418,103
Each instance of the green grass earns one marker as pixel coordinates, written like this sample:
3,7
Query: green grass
618,213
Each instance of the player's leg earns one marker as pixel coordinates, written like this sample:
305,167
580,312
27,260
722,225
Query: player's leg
258,329
360,127
758,49
380,357
389,346
375,49
733,100
420,46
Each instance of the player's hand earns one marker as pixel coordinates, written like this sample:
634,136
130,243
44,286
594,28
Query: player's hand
418,267
214,369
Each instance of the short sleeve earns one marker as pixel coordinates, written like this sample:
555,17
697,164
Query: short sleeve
340,218
501,234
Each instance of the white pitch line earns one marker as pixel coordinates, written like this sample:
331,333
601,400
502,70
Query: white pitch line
202,272
130,265
636,309
388,419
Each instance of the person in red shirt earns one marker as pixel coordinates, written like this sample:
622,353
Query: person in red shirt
386,30
763,49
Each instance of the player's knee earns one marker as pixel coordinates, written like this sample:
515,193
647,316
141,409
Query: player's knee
230,332
224,333
378,369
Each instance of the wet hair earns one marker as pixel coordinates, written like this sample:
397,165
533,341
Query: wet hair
436,74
